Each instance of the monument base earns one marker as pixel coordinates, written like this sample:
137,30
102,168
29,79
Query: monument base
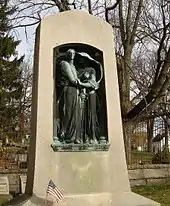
100,199
63,147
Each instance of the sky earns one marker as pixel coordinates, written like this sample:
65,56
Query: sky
27,34
26,45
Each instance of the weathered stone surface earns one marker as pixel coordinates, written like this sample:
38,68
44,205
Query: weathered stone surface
158,181
138,182
97,199
136,177
168,171
4,185
14,183
136,174
149,166
23,179
155,173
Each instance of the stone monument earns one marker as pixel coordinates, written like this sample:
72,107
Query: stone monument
77,138
4,185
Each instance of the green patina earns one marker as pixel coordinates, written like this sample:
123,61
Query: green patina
63,147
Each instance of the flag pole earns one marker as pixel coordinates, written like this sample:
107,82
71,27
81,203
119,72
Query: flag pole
46,199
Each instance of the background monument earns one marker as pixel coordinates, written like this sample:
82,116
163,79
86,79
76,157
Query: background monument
96,174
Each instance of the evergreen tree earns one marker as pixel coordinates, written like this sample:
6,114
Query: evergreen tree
10,75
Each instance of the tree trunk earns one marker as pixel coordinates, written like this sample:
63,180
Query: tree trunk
125,83
123,66
127,132
89,7
150,124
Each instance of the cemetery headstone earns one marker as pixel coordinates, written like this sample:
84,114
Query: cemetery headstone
4,185
23,180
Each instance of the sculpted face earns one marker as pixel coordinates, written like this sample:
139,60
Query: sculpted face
71,54
87,75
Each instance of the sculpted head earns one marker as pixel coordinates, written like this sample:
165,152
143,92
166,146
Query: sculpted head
70,54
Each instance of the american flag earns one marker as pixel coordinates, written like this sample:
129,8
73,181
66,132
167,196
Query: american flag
54,191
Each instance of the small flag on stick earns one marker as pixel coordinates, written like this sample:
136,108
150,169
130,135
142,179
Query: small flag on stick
54,191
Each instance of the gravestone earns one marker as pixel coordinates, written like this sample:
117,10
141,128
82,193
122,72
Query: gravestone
4,185
23,179
84,158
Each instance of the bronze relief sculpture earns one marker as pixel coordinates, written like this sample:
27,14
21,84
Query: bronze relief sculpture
76,125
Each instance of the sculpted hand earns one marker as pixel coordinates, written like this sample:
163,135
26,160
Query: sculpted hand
78,82
96,86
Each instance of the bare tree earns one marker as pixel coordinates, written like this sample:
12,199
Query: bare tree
25,102
143,57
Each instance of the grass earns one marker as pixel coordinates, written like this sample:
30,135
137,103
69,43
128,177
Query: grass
4,198
160,193
2,201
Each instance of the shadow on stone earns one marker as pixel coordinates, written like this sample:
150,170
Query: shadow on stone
40,201
21,199
17,200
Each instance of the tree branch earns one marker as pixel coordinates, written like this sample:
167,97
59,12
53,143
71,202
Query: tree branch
161,45
62,6
89,7
157,88
26,25
128,20
107,9
121,21
139,10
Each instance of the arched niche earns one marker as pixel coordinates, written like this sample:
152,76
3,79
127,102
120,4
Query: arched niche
100,100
